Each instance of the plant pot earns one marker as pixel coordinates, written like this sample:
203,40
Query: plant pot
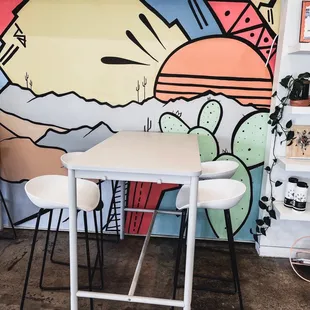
300,103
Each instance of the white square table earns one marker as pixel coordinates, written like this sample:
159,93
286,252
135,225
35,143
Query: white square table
144,157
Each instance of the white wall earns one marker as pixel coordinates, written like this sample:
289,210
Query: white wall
282,234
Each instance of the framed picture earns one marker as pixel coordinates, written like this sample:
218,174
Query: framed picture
300,148
305,23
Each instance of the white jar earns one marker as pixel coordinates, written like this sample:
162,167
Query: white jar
289,192
300,196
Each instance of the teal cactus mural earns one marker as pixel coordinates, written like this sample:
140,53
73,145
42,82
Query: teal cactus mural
208,145
240,212
247,148
249,139
209,119
210,115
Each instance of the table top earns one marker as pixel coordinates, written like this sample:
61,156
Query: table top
143,152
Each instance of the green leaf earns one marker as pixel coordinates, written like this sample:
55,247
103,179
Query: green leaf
269,122
274,94
255,236
280,133
291,142
305,75
272,214
267,220
289,124
257,229
278,183
251,231
264,198
262,205
290,135
263,231
273,199
267,168
260,222
275,160
284,82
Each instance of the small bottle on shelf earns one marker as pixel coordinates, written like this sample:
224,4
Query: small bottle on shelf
300,196
289,192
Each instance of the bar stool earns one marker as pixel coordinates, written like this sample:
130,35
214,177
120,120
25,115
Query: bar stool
221,194
50,192
220,169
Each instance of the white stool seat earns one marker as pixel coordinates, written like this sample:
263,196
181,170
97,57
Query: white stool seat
221,169
65,158
213,194
51,192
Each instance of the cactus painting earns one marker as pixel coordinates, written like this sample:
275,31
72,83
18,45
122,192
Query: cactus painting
249,138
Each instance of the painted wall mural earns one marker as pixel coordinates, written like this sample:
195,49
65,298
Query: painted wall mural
72,74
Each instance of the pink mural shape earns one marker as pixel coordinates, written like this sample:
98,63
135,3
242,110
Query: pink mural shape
250,18
251,35
266,39
6,15
228,11
268,51
272,62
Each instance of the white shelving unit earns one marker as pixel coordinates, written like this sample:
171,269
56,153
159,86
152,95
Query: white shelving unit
299,48
284,213
294,165
298,110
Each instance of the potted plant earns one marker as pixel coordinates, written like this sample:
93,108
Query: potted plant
298,89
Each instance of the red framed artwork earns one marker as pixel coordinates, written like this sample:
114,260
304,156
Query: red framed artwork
305,23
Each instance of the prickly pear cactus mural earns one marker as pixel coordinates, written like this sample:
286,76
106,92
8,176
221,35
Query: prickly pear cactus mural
170,122
210,115
208,146
249,139
240,212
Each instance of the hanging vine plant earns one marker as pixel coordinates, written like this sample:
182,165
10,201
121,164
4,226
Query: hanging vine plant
295,90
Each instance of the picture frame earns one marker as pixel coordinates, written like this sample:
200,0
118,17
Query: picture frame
300,146
304,36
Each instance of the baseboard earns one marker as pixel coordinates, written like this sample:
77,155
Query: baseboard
272,251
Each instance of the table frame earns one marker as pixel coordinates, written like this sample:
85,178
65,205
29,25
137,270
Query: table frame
122,176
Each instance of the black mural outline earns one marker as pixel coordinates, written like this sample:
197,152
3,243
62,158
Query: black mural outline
271,4
168,24
67,131
251,195
6,53
32,122
20,37
239,17
114,60
249,29
16,136
135,41
239,124
194,13
215,86
174,116
148,25
201,13
220,116
10,56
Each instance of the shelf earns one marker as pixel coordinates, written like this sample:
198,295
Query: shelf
298,110
294,165
284,213
299,48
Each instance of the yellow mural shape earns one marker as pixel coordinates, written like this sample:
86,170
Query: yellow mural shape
66,42
271,14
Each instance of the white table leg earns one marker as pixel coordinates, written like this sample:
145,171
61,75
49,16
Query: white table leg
122,217
73,241
190,250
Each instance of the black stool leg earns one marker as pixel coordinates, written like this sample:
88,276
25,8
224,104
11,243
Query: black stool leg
88,259
99,250
179,254
233,255
30,260
9,216
45,249
56,235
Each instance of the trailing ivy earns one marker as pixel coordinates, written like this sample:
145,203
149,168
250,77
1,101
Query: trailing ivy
285,134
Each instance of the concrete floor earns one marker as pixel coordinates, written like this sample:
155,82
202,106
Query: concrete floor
266,283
